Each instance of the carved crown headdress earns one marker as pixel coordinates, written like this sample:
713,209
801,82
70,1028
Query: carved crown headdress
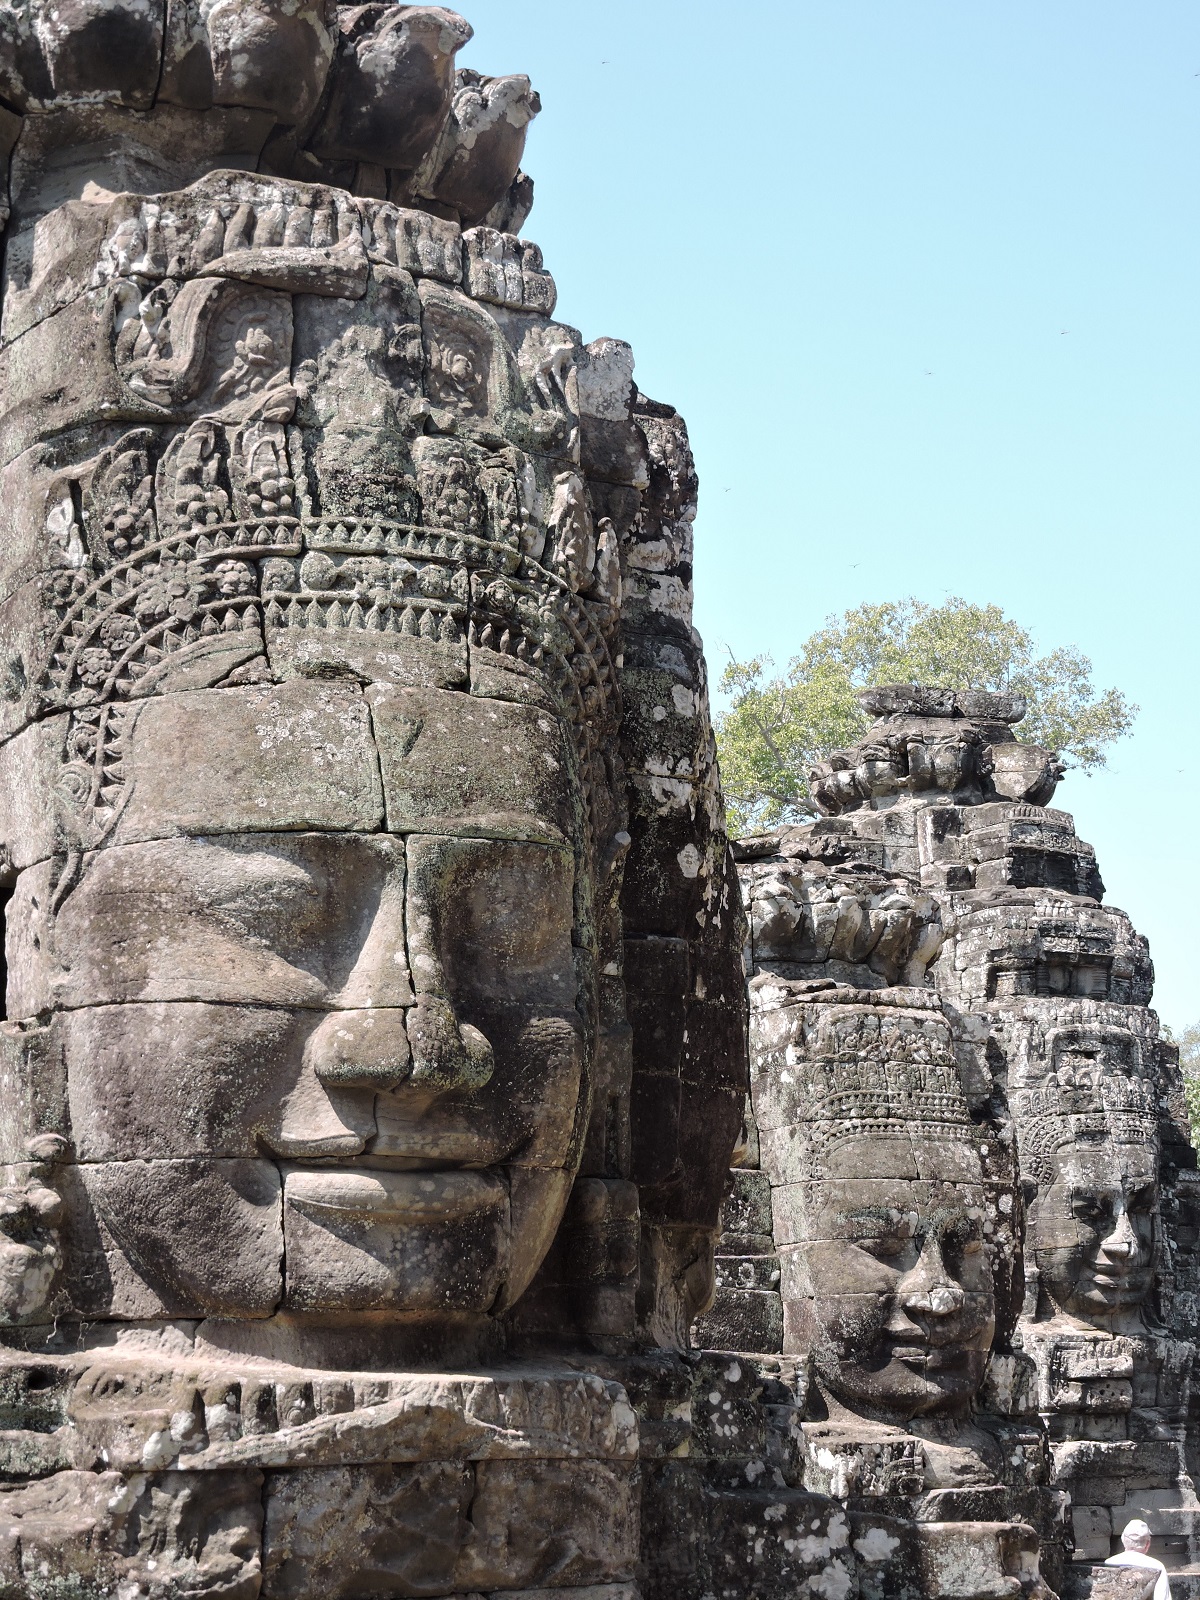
1092,1088
883,1072
339,457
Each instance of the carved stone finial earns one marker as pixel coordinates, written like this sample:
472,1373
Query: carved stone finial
929,745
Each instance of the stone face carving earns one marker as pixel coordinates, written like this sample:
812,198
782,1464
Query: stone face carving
374,1002
321,601
1089,1132
980,1196
375,1045
896,1206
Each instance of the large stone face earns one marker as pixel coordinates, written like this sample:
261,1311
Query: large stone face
375,1046
317,772
340,584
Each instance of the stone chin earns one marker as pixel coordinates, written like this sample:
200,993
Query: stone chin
423,1244
1092,1294
900,1381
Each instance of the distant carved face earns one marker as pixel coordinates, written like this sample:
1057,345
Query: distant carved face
1095,1229
902,1306
331,1038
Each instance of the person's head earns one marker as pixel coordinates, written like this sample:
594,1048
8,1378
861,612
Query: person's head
1136,1536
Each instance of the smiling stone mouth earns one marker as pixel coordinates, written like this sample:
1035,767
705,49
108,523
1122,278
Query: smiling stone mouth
398,1197
1118,1280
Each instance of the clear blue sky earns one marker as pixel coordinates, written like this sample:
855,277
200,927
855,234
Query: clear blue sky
925,280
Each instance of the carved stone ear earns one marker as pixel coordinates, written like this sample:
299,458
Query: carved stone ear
1024,772
392,84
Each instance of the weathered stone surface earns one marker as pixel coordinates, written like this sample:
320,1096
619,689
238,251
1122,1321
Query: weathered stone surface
359,1240
163,1218
341,591
294,756
1108,1583
477,157
303,920
928,742
411,1530
374,953
492,768
179,1079
91,1532
996,1067
34,1083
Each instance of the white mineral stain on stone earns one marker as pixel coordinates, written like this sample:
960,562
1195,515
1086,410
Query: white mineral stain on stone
877,1544
832,1584
160,1450
624,1417
689,861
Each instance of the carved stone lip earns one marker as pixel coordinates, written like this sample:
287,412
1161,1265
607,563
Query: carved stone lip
1127,1289
407,1196
929,1354
439,1149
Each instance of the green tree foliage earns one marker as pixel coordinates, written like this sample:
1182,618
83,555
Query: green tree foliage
776,728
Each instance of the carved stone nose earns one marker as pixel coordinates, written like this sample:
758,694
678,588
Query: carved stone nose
362,1049
446,1053
927,1289
387,1046
1121,1244
938,1300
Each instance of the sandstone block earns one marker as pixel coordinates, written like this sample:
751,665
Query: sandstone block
293,756
412,1530
182,1079
91,1532
205,1238
364,1240
302,920
521,894
468,766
